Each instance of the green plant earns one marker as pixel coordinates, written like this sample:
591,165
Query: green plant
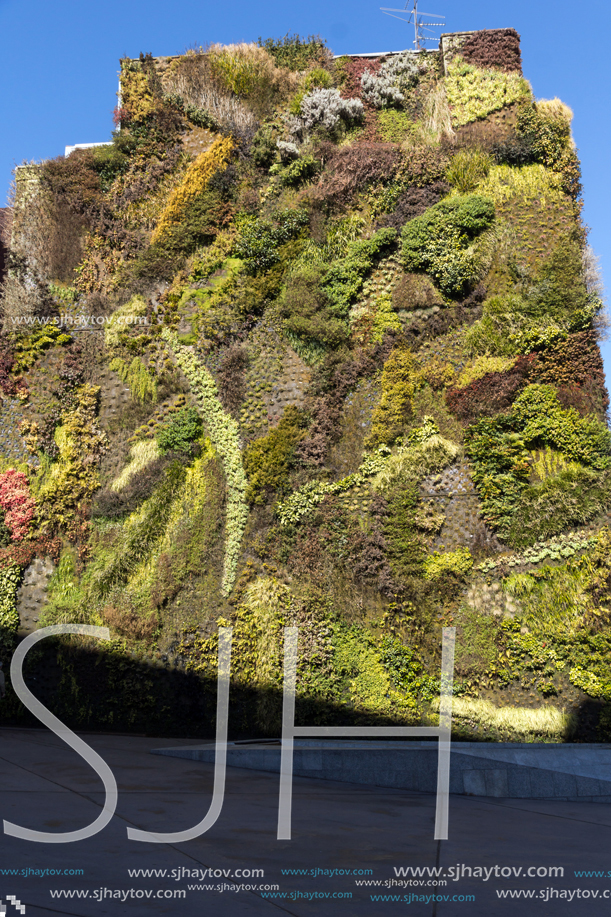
501,463
440,241
394,126
318,79
179,432
296,52
467,169
259,239
459,562
268,461
142,384
225,437
10,578
298,171
395,408
474,94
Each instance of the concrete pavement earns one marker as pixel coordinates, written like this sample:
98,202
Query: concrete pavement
336,826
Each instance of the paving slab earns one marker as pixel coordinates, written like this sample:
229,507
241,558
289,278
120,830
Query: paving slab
362,832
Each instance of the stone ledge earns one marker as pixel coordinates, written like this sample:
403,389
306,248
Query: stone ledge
503,770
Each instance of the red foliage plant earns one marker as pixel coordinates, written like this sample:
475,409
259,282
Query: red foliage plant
16,502
575,366
497,49
7,382
493,393
353,69
348,169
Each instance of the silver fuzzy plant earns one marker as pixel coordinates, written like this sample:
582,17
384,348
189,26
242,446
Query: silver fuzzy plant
387,87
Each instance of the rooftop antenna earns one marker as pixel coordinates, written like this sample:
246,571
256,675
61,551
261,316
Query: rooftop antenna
420,25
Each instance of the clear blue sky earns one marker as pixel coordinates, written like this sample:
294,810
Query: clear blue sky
59,62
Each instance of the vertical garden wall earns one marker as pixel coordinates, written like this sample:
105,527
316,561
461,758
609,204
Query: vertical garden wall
313,342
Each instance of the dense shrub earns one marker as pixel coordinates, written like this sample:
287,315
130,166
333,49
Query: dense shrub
546,129
263,149
501,463
350,169
440,241
308,311
396,405
494,48
179,433
541,418
268,461
555,301
317,299
298,171
260,239
325,108
387,87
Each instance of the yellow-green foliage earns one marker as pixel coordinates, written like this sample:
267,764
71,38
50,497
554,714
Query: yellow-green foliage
480,367
141,454
521,722
385,318
394,126
267,461
142,384
467,169
304,500
73,479
141,563
259,642
195,181
136,97
67,602
536,212
131,313
395,407
474,94
459,562
249,72
436,371
412,463
547,463
29,346
369,683
553,598
10,578
529,182
225,436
